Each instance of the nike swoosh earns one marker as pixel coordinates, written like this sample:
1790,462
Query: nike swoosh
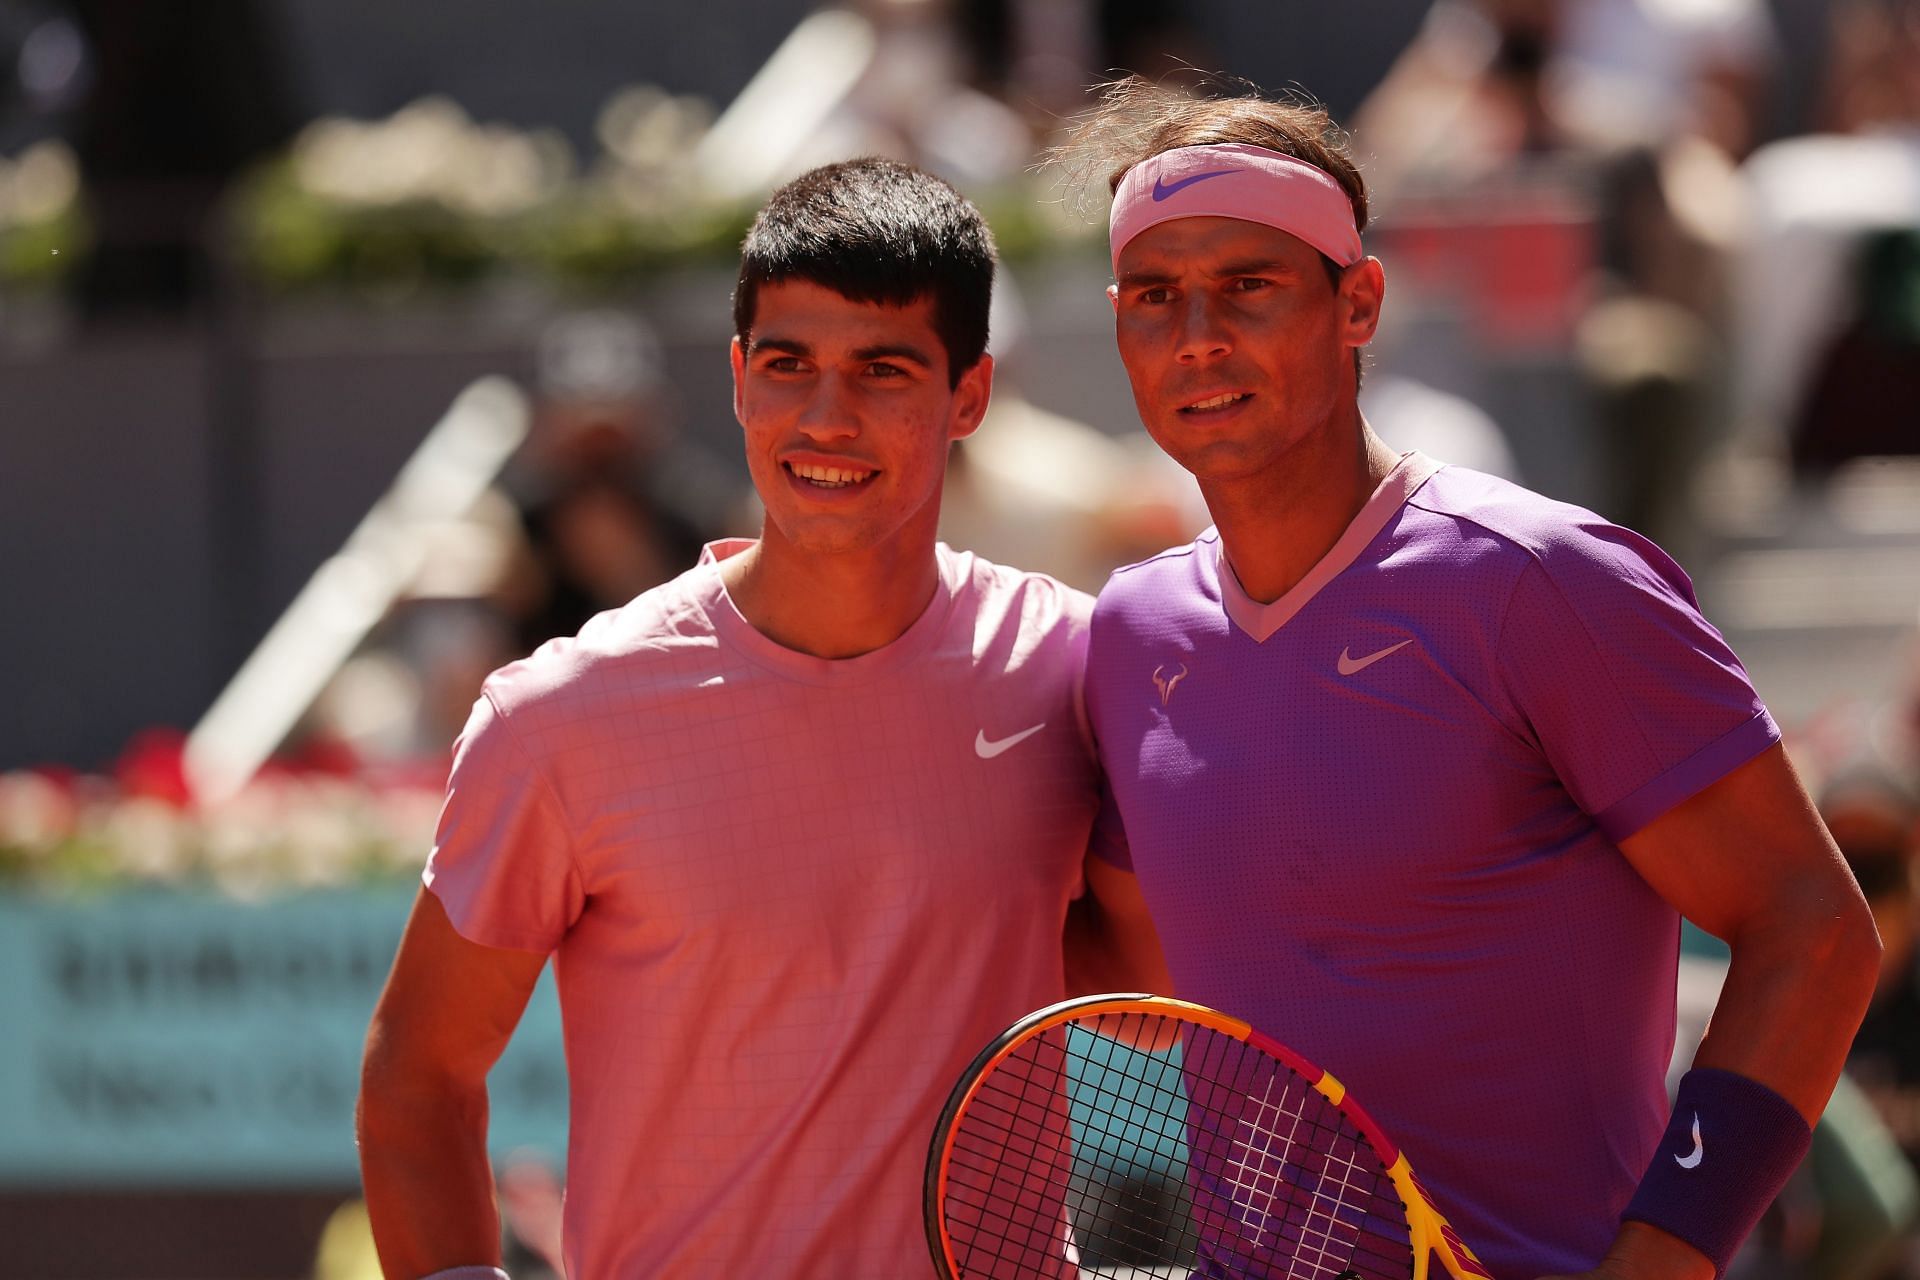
1349,664
1162,188
1699,1148
988,750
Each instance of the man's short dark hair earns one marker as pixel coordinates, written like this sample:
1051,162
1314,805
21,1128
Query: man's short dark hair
875,230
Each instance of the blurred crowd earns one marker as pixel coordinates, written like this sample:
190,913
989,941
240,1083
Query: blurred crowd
1604,213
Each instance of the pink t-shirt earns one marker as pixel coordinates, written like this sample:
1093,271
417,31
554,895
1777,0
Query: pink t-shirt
788,900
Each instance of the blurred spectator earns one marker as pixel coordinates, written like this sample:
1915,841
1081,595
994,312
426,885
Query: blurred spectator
1624,116
1412,415
1641,71
1824,274
1039,56
1866,386
610,506
183,97
1490,80
1874,816
1875,819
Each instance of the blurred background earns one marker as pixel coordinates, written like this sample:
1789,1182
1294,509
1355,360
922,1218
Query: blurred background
349,350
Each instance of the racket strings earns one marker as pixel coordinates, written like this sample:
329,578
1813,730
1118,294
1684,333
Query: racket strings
1143,1141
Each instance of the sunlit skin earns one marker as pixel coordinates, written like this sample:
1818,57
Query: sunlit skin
1205,307
827,382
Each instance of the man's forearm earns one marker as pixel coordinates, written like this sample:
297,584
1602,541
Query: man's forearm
429,1184
1794,996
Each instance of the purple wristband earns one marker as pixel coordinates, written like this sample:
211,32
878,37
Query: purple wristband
1731,1145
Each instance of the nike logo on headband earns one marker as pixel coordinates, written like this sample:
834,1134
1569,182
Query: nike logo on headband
1162,188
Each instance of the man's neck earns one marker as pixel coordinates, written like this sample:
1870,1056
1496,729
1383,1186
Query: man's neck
1276,526
832,606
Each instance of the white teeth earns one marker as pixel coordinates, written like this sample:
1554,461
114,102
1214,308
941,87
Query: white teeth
827,477
1220,400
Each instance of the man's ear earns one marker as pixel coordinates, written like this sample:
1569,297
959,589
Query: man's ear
1363,288
1113,297
970,397
737,357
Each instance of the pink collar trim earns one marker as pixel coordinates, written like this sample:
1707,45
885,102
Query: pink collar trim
1262,620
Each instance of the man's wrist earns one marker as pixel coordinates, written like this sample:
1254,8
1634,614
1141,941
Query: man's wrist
1712,1201
1643,1251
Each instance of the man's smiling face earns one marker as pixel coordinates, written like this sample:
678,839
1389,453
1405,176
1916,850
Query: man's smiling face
848,413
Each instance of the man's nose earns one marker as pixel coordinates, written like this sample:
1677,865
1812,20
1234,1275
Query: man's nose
1203,333
829,413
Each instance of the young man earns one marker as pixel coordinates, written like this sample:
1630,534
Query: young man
801,829
1419,770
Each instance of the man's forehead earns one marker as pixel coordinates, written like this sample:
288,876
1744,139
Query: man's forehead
805,319
800,310
1196,243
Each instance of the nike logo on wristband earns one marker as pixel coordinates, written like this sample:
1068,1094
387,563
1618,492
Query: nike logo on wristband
1699,1148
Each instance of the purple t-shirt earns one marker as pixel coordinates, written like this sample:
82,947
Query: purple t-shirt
1378,818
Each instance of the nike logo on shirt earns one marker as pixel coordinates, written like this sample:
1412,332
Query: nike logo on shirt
988,750
1349,664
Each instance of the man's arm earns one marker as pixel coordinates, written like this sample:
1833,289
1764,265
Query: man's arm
449,1007
1110,940
1748,860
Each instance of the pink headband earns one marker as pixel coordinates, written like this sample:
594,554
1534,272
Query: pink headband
1232,180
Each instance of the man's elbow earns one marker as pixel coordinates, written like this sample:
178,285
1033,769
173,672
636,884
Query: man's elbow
1844,948
403,1090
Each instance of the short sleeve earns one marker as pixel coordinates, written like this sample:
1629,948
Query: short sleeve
502,862
1632,696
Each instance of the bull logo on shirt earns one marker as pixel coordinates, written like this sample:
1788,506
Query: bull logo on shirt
1165,683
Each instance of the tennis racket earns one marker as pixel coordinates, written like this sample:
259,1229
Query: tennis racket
1138,1136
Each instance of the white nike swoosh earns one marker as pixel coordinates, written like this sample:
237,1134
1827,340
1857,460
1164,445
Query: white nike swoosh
1699,1148
988,750
1349,664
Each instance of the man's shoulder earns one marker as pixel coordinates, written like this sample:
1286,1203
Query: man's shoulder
614,647
1160,581
1564,539
1037,599
1552,550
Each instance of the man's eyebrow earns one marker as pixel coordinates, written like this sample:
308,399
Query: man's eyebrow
894,351
788,346
1144,279
1252,267
1245,267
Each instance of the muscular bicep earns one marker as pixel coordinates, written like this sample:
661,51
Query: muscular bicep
1747,859
1744,850
449,1005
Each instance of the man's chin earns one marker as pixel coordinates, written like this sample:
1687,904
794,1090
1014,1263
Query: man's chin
1219,462
826,537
